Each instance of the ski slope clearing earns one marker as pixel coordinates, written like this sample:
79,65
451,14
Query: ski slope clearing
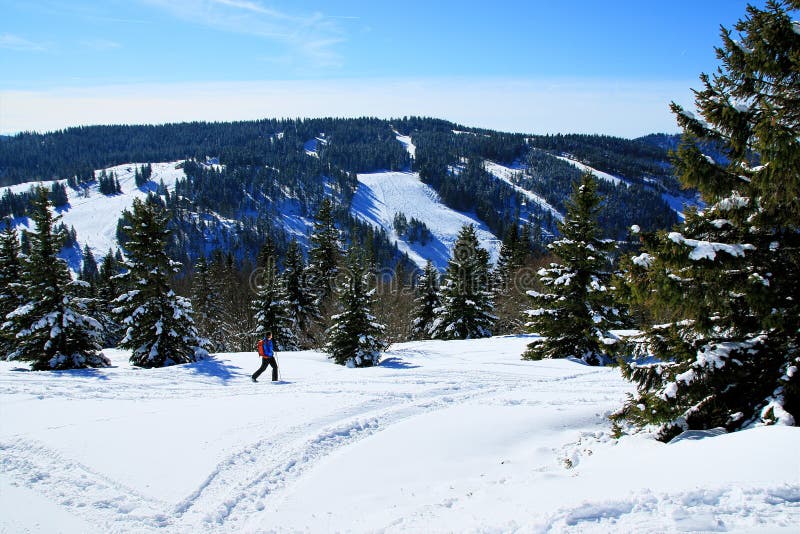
507,174
382,195
95,215
405,140
441,437
600,174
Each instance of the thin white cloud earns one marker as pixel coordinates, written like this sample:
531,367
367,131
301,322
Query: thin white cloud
609,107
15,42
101,44
311,38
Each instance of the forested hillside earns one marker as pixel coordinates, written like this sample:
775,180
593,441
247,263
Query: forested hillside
245,181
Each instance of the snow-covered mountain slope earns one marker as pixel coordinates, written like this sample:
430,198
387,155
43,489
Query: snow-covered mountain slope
95,215
405,140
382,195
507,174
678,203
600,174
459,436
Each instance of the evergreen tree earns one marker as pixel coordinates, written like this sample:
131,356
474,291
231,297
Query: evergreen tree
51,327
509,259
105,291
300,298
575,315
509,278
89,271
427,302
271,307
58,195
355,338
325,252
160,330
206,302
11,287
731,272
466,310
106,281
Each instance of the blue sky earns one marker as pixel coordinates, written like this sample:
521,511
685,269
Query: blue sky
534,66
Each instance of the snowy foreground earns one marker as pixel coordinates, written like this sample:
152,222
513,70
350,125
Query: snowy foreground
443,436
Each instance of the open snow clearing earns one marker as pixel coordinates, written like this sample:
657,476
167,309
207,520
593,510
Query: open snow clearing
442,436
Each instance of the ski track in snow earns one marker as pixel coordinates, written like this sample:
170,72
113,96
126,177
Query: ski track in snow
248,471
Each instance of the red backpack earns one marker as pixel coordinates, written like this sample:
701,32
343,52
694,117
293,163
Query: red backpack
261,347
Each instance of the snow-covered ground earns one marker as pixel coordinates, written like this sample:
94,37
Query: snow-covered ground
95,215
458,436
381,195
405,140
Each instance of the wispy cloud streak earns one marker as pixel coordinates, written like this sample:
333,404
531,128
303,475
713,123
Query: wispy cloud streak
311,38
15,42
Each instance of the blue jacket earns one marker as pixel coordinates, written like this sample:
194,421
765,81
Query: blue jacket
265,348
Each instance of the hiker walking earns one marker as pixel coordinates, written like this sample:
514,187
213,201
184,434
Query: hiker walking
267,354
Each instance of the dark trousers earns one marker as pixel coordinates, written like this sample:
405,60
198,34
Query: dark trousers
264,363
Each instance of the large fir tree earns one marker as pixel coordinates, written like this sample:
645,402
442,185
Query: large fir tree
300,297
89,271
11,286
466,299
271,307
207,305
731,273
51,328
324,253
426,302
160,330
106,291
355,338
577,310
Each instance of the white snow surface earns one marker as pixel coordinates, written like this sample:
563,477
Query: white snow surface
95,215
405,140
381,195
459,436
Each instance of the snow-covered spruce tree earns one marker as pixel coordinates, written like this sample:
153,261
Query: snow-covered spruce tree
160,330
426,302
89,271
325,253
207,297
300,298
270,306
577,310
507,280
11,286
731,272
512,257
51,327
466,301
355,339
106,291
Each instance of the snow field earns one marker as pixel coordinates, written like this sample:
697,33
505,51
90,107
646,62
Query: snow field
457,436
381,195
95,215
